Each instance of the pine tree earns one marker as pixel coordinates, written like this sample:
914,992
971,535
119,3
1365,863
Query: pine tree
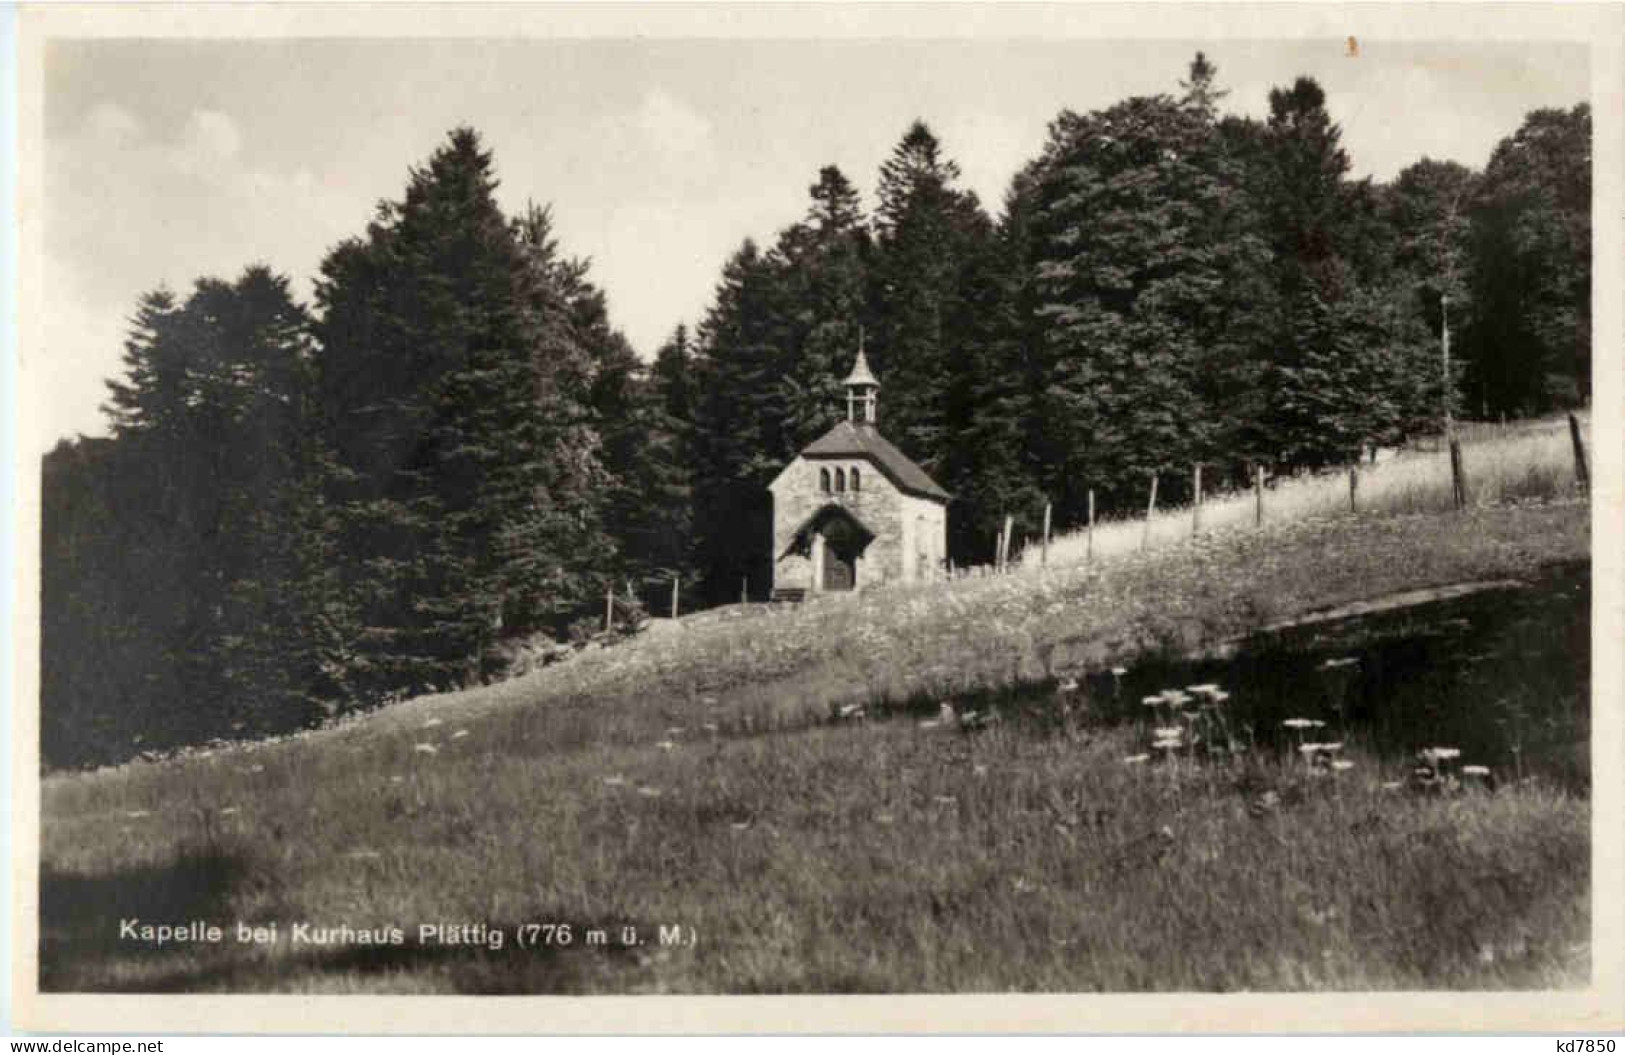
110,609
825,274
152,389
669,414
1307,167
1200,93
930,237
181,565
993,467
256,414
647,451
739,435
453,384
1350,361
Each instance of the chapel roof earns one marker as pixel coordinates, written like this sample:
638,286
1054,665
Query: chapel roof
847,440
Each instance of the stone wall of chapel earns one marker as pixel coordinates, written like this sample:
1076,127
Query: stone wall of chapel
878,504
926,550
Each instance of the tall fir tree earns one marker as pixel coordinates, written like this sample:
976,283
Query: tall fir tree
453,383
182,607
738,433
1348,344
930,239
826,260
992,468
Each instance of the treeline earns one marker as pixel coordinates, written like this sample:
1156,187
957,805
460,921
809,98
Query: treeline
306,510
1163,285
301,512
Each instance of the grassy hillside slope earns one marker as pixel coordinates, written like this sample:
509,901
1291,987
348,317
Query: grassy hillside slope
694,778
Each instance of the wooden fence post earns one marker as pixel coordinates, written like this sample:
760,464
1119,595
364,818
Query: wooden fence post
676,587
744,589
1258,495
1582,475
1196,502
1043,558
1458,474
1089,549
1004,552
1150,510
609,607
1354,488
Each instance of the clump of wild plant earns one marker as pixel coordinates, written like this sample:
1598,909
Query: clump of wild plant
1437,773
1336,675
1192,721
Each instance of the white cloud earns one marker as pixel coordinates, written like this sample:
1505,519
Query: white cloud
209,143
129,209
112,125
672,127
989,148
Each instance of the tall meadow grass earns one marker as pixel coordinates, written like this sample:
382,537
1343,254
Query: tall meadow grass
725,773
1529,460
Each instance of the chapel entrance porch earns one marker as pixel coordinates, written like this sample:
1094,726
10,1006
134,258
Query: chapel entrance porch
843,542
833,541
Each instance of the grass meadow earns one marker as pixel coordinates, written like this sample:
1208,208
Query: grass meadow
777,782
1508,462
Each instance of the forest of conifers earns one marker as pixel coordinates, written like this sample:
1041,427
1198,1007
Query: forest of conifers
303,510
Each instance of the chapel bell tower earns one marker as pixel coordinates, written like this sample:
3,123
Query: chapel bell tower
862,391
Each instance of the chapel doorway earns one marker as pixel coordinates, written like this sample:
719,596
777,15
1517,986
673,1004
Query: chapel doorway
839,573
842,544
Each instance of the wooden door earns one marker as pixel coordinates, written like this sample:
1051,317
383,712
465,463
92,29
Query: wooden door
839,572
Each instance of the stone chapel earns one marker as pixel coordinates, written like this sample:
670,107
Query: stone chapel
852,511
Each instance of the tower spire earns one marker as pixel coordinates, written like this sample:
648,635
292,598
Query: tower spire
862,389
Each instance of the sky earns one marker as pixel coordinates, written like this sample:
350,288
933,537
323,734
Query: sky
170,160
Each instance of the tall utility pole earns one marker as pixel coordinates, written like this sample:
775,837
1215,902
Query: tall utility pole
1458,474
1444,310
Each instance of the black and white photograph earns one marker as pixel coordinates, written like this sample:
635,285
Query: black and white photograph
832,500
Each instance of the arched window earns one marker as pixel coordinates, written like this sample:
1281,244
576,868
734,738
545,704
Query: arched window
823,480
857,481
840,480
